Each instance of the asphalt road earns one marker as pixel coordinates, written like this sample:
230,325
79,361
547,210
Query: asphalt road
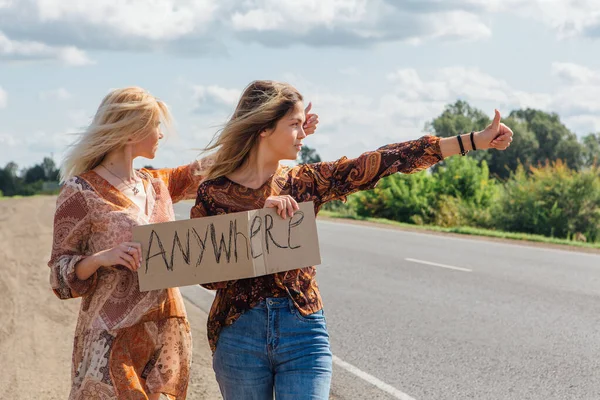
419,316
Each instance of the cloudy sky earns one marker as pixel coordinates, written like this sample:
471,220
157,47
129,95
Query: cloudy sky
375,70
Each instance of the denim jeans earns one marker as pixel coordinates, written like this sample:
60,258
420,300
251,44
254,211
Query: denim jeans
273,350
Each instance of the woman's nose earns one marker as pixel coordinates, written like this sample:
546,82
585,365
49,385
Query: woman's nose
302,134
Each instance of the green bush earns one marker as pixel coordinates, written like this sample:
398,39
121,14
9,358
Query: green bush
465,193
552,200
406,198
458,193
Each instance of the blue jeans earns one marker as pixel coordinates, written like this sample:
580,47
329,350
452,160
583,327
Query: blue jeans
273,350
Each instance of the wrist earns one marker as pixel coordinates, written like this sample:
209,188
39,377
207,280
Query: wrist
466,141
86,267
96,260
479,140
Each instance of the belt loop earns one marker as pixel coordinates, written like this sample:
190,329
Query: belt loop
291,305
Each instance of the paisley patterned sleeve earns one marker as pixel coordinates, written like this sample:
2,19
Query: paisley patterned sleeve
335,180
72,229
182,181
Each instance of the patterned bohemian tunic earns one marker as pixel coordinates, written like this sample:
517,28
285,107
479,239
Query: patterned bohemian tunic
320,183
127,343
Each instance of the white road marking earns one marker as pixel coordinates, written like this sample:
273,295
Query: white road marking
392,391
438,265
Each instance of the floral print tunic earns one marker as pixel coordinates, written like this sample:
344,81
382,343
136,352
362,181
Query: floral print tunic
127,343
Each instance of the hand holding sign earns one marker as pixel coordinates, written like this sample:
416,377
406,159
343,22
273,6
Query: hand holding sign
127,254
286,205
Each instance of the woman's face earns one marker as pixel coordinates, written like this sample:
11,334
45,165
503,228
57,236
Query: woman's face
148,146
285,141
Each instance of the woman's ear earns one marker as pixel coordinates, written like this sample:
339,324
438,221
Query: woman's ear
264,133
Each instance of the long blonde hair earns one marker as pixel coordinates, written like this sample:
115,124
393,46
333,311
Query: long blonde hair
262,104
124,114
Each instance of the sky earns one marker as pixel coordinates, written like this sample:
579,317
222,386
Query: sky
376,71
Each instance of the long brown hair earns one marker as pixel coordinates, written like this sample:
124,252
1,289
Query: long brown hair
261,106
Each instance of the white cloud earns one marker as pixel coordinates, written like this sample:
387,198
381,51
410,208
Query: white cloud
297,16
74,57
32,50
570,73
3,98
29,149
57,94
43,142
60,29
66,27
7,140
79,118
352,22
575,99
454,25
583,123
214,98
150,19
570,17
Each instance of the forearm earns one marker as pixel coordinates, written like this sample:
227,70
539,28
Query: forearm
450,146
335,180
87,267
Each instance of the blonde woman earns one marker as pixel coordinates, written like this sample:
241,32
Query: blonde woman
128,344
269,333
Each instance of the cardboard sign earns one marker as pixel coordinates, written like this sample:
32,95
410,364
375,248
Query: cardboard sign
226,247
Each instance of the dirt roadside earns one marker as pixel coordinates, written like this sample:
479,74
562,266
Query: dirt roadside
36,329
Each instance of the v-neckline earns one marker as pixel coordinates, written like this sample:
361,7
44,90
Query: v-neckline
147,212
261,187
276,175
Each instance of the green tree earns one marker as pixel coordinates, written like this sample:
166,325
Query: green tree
591,149
522,151
9,181
35,174
308,155
51,173
556,141
458,118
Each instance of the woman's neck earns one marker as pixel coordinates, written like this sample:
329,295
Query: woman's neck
120,163
255,171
